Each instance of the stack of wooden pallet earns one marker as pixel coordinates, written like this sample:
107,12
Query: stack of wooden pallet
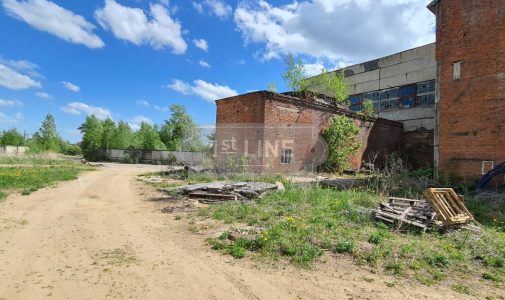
406,211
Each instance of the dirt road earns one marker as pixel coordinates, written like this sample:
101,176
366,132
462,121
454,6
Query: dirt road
100,238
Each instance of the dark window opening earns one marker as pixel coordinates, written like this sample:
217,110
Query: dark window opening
286,156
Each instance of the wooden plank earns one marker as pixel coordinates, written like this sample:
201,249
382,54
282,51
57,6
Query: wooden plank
213,196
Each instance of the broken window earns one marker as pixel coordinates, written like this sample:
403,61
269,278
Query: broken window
409,90
286,156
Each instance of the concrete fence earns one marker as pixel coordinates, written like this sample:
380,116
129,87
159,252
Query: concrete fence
155,156
13,149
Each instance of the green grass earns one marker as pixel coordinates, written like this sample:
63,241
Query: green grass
33,160
32,178
303,222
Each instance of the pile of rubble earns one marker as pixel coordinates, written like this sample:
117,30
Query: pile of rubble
225,191
442,207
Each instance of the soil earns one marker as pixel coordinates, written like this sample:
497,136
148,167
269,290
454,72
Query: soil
104,237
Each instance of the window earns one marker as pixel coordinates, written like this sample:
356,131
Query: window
355,103
487,166
456,70
286,156
409,90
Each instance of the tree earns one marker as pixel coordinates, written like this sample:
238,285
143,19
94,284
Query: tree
92,131
12,137
295,76
180,132
149,137
49,136
272,87
123,136
331,83
342,142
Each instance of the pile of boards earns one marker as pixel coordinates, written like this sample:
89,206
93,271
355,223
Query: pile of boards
441,207
224,191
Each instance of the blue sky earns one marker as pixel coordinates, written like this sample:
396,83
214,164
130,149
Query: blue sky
131,59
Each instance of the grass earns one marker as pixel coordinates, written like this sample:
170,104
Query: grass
29,179
303,222
35,159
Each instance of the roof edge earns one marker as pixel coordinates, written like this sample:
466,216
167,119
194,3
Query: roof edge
433,6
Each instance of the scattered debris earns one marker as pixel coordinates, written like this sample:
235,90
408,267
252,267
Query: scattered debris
221,192
443,208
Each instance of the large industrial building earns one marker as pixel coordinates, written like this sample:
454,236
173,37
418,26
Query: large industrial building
449,96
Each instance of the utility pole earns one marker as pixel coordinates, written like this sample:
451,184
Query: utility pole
107,152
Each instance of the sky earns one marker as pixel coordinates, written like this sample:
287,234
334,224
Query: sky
131,59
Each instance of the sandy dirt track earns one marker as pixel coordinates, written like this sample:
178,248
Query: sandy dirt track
100,238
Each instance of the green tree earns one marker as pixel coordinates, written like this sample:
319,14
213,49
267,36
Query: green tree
333,84
123,136
368,108
272,87
149,137
49,136
341,138
295,76
12,137
92,130
180,132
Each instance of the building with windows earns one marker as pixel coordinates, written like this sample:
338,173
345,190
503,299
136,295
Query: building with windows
448,99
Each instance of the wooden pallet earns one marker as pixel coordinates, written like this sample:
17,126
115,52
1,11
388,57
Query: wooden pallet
409,211
449,207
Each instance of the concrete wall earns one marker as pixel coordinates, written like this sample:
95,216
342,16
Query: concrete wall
409,67
155,156
13,149
472,109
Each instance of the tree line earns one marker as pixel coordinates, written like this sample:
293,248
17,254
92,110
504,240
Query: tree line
179,132
46,138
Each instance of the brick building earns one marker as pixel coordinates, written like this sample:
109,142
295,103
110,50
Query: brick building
470,109
449,96
279,133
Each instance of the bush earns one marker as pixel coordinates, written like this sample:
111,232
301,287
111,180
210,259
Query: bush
345,246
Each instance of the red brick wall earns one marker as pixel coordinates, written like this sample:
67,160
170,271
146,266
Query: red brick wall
418,149
285,118
472,110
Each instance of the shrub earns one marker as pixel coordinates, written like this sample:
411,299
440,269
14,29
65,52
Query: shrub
345,246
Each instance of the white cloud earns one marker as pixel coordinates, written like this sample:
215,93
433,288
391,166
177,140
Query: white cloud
202,44
22,66
134,127
313,69
345,30
10,103
216,7
242,62
71,86
164,2
163,109
132,24
142,102
16,81
198,7
140,119
76,108
204,64
44,95
204,90
46,16
180,86
11,119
